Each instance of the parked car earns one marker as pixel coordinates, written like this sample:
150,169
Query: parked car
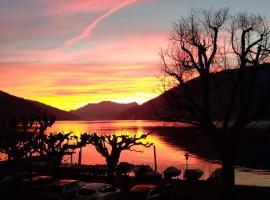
63,189
146,192
13,186
41,181
40,184
97,191
10,184
13,182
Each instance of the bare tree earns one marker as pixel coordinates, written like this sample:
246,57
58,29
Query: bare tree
16,136
222,54
111,146
54,146
26,138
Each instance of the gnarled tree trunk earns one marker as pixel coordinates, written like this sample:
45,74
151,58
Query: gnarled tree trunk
111,170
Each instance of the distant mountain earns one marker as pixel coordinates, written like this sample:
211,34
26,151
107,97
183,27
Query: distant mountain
153,109
105,110
147,111
169,105
12,106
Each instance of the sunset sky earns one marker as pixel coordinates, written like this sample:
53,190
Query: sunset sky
67,53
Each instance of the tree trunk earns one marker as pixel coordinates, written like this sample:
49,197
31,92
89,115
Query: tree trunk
111,175
112,161
56,167
228,177
111,171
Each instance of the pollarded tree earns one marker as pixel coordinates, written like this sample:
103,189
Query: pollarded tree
54,146
111,146
16,136
223,54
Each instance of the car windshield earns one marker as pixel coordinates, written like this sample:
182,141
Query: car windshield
84,191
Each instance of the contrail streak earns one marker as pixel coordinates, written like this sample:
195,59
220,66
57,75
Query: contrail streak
87,32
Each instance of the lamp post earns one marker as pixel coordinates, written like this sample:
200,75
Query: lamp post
155,158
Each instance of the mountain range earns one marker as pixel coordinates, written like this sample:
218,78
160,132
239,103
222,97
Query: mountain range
153,109
105,110
12,106
174,104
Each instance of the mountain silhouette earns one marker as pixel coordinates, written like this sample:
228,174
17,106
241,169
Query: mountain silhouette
105,110
166,105
174,102
12,106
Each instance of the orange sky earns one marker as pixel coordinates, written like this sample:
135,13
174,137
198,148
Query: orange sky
90,65
68,53
65,87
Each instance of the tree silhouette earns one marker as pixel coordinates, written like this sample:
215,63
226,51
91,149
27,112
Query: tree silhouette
224,53
17,136
111,146
25,138
54,146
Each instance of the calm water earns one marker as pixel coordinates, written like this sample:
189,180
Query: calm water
167,153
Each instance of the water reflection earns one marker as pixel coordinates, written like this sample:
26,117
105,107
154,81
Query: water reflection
169,152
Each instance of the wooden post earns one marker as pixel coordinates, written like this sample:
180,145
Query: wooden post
71,158
155,158
80,157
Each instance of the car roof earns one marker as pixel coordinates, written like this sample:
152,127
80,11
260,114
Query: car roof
36,178
64,182
142,187
94,186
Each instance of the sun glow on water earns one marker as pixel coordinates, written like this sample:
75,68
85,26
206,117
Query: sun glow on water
167,153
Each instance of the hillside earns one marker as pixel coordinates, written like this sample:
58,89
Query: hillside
169,106
149,110
105,110
12,106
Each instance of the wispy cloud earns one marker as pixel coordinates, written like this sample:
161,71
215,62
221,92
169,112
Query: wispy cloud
131,49
87,32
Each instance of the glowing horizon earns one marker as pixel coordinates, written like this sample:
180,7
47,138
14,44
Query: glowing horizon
68,53
69,92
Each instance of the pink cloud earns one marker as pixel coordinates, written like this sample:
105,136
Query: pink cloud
87,32
130,49
55,21
72,6
81,5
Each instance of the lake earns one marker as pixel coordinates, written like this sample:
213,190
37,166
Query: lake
167,153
